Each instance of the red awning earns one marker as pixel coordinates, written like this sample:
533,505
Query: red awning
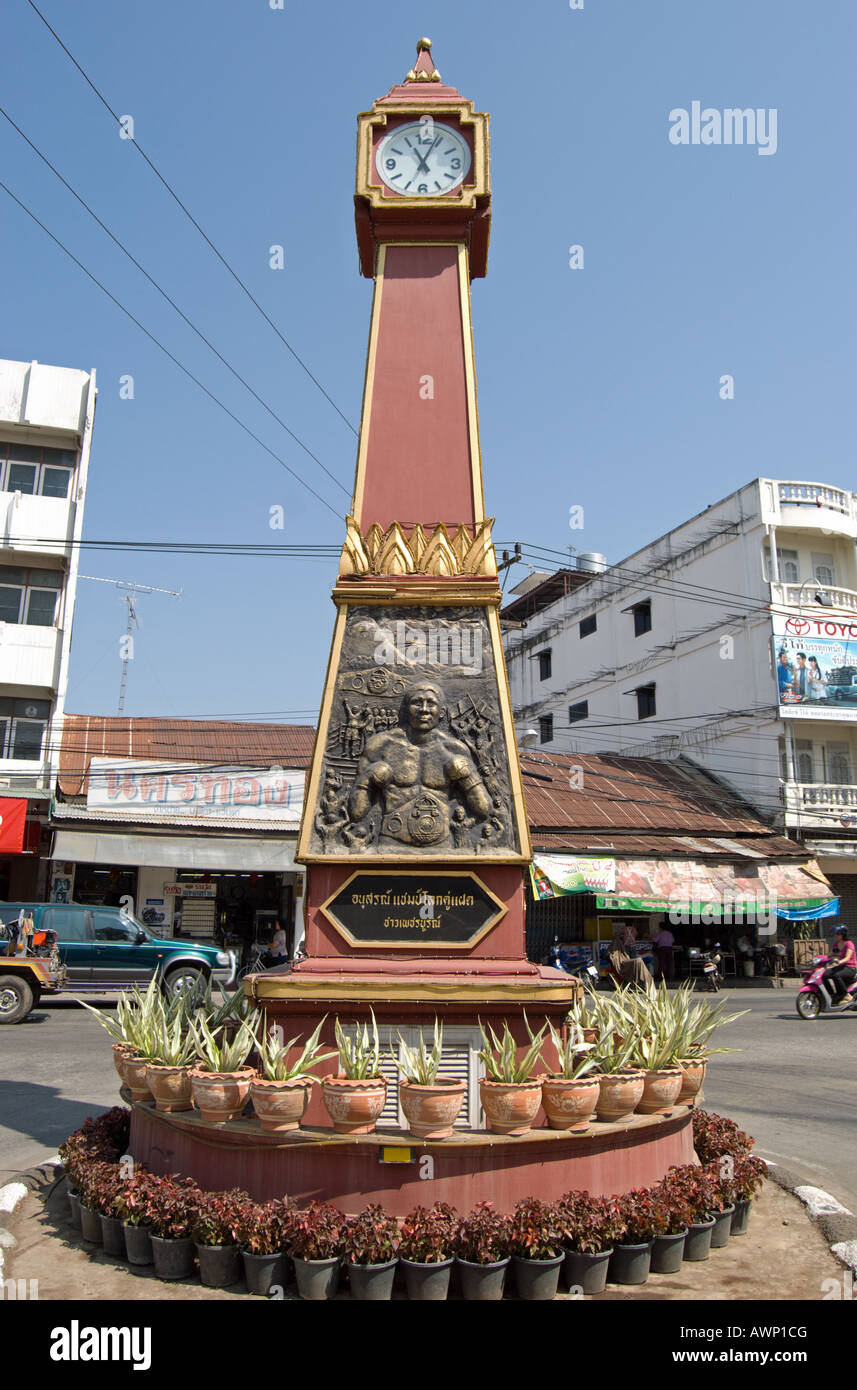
13,814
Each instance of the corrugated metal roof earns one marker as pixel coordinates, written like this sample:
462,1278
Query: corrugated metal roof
211,741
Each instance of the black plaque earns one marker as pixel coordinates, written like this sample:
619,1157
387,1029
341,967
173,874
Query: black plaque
413,910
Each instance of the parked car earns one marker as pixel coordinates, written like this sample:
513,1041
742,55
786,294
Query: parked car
23,981
105,949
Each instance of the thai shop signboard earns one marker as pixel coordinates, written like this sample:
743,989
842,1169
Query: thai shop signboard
815,666
554,875
130,789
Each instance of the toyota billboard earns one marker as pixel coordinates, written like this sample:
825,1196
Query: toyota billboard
815,666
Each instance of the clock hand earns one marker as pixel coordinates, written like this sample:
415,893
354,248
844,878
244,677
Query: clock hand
422,167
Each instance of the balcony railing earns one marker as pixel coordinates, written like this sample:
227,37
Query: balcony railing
42,525
819,803
29,655
814,495
802,596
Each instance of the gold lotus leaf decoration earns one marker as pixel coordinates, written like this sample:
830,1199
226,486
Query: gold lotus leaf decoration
420,551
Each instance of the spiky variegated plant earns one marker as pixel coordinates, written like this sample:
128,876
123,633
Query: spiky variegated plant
576,1057
360,1055
274,1056
500,1055
223,1054
417,1064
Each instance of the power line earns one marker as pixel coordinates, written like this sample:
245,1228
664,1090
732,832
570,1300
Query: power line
167,352
105,103
162,292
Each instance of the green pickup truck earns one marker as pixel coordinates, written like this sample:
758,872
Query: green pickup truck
105,949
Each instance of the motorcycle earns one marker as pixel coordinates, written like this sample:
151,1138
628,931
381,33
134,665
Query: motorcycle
710,974
816,995
580,965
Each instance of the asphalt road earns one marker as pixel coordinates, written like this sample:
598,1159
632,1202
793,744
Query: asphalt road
793,1085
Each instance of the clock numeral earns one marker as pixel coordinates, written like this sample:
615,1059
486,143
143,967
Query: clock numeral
422,188
455,163
390,163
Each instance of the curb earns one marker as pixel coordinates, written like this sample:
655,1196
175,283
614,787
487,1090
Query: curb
13,1193
837,1224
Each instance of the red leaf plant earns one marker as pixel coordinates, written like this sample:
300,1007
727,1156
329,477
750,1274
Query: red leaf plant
428,1234
714,1135
172,1207
317,1232
265,1228
484,1236
589,1225
217,1218
372,1238
537,1232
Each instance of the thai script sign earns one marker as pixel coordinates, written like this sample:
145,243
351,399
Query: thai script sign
130,789
412,909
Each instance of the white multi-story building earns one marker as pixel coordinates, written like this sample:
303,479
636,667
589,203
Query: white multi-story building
732,641
46,418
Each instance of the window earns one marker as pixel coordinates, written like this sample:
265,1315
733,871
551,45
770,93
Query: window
588,625
824,570
837,757
29,596
804,761
112,926
546,728
580,711
642,617
22,728
38,472
69,923
645,701
544,666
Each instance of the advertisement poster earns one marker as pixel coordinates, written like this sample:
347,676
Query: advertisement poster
815,665
553,875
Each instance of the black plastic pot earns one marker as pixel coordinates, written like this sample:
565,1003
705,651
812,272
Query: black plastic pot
113,1237
667,1253
586,1271
90,1225
372,1283
219,1265
74,1209
537,1280
629,1264
483,1283
741,1217
698,1241
722,1227
318,1279
138,1244
264,1272
173,1259
427,1283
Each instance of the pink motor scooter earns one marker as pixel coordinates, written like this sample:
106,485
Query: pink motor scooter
816,995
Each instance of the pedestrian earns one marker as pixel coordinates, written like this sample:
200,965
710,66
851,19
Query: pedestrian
665,946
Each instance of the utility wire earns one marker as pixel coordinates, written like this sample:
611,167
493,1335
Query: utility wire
183,316
105,103
167,352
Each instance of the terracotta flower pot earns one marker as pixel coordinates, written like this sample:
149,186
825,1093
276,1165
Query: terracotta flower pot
220,1096
511,1106
280,1105
170,1086
135,1069
354,1106
431,1111
619,1094
692,1076
120,1052
660,1091
570,1105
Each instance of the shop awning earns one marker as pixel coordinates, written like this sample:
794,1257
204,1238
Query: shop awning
227,852
714,888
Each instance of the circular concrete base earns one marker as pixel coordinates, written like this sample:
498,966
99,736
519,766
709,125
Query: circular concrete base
401,1172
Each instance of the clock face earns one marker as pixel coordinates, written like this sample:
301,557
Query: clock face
423,160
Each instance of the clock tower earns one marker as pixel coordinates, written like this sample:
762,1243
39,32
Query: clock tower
414,828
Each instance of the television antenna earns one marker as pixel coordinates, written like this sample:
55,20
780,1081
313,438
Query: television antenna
128,591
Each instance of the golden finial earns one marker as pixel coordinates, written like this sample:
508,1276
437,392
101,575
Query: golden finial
423,45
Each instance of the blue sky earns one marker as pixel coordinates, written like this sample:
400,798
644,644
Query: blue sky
597,387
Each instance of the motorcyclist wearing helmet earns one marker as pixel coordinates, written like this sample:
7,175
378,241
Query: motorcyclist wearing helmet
844,971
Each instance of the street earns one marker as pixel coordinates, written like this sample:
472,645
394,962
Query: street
792,1085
